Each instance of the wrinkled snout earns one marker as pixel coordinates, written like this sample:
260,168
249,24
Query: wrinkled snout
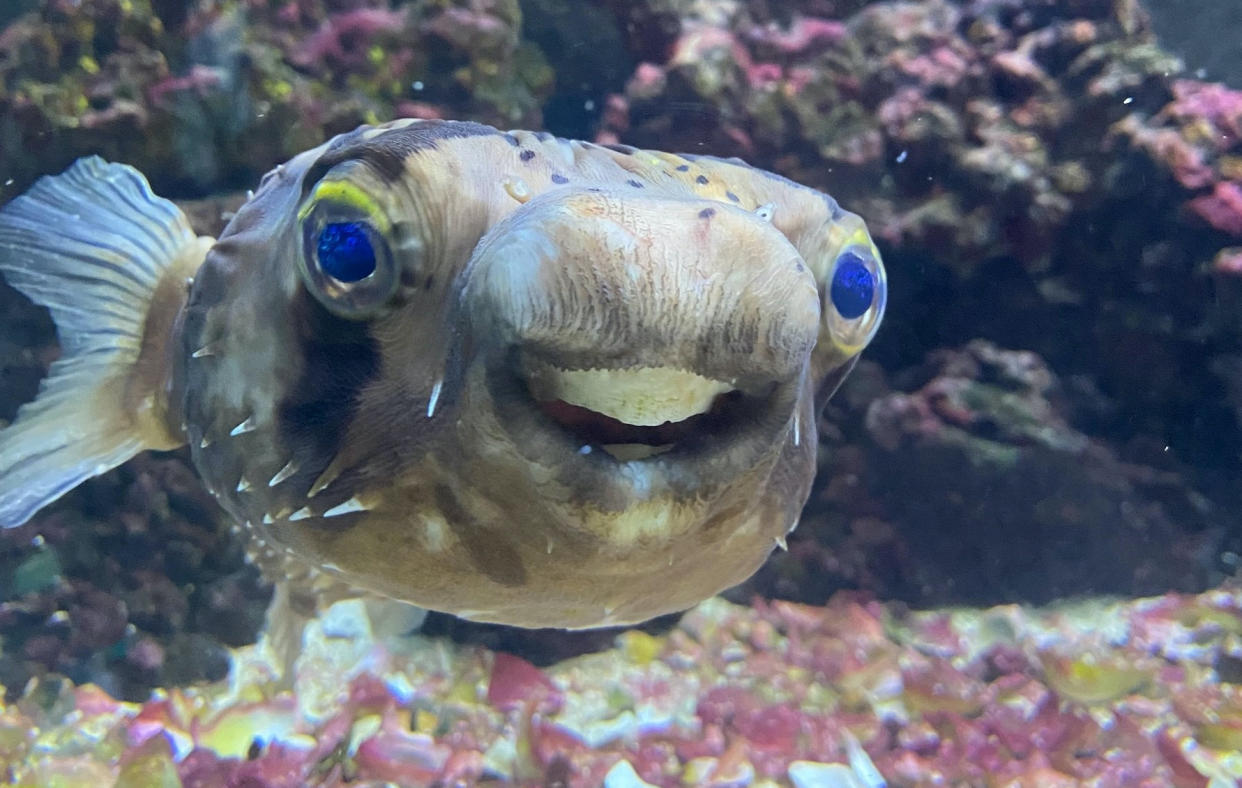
591,282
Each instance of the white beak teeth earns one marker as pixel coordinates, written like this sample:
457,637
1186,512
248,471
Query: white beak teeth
626,452
645,397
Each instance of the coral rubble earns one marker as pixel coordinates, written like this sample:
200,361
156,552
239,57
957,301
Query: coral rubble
852,694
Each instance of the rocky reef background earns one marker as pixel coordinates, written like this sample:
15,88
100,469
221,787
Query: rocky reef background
1052,409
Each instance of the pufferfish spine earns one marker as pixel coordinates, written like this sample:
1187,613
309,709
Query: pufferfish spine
110,261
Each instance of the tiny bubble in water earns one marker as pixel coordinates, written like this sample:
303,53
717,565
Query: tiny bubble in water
901,157
417,85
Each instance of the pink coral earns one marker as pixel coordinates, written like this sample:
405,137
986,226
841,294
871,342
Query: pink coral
1222,208
1215,104
199,80
517,683
1171,149
342,39
1228,263
472,30
804,36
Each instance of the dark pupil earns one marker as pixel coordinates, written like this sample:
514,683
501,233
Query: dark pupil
345,251
853,287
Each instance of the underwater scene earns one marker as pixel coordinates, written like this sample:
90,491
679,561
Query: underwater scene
624,393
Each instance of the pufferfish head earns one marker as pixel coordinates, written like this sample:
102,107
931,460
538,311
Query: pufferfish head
581,407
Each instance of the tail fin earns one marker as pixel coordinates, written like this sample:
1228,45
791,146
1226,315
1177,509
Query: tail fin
108,259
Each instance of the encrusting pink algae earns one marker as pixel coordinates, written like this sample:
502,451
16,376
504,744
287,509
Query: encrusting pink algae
1098,693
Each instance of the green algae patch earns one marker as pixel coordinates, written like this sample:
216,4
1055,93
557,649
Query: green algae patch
1088,678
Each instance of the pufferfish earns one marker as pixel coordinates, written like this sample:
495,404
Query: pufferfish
504,375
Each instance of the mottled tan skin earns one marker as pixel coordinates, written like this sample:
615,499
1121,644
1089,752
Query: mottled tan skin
522,248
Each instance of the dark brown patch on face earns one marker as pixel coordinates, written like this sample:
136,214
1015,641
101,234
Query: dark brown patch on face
387,153
729,516
526,155
340,357
707,213
490,552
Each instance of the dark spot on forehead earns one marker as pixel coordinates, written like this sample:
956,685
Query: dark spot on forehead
634,183
490,552
388,151
707,213
526,155
558,178
834,208
701,180
732,197
683,167
512,140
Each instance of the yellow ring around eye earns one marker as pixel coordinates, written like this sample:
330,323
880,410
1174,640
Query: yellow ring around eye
346,193
860,237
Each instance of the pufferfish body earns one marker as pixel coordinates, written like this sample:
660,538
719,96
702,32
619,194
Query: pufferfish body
512,377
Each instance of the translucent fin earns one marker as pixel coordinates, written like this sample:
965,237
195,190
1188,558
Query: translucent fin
92,245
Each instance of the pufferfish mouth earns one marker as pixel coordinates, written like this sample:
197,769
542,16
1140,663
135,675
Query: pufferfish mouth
633,414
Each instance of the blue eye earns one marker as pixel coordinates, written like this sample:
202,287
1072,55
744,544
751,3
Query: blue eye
345,252
853,287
